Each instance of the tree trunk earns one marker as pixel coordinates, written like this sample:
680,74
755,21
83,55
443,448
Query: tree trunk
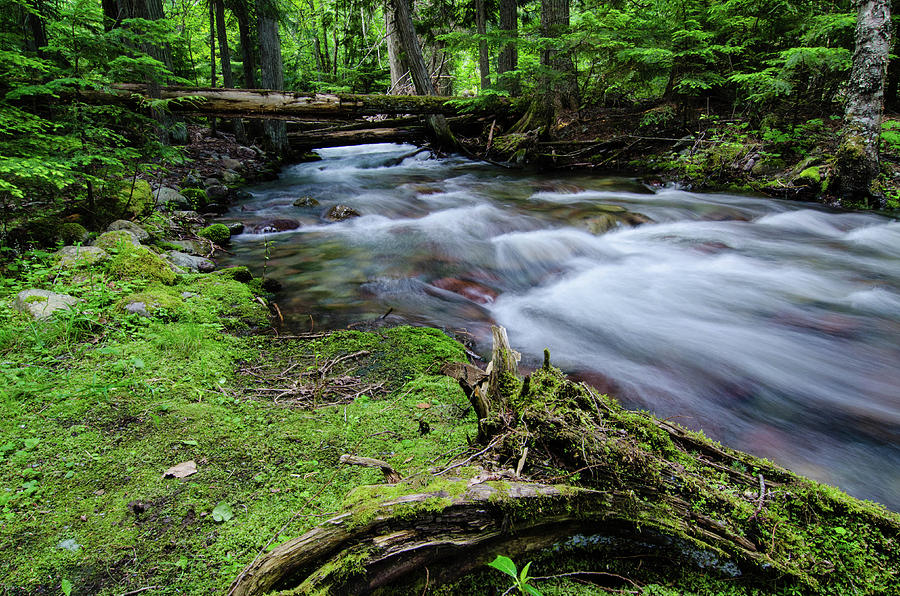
508,60
555,23
225,59
399,70
111,15
34,22
857,165
484,58
271,74
248,50
421,78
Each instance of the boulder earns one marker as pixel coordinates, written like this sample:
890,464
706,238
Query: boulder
192,247
69,256
232,164
191,262
207,182
112,240
41,304
270,226
230,177
123,224
305,202
245,152
216,193
341,212
137,308
170,199
71,232
235,227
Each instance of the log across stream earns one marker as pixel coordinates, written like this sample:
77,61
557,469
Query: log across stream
772,326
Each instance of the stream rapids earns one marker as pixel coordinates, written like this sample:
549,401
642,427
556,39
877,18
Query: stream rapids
773,326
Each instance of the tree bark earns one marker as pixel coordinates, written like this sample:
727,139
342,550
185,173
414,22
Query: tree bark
248,47
399,70
508,60
484,58
225,59
555,23
421,78
857,164
271,73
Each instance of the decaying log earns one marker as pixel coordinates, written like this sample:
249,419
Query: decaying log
642,496
262,103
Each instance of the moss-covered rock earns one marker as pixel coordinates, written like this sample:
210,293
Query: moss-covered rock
137,262
216,233
811,177
135,200
72,232
155,300
116,240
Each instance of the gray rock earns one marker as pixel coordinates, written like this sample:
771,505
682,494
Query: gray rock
170,199
123,224
69,256
137,308
245,152
207,182
230,177
216,193
191,246
41,304
187,295
232,164
270,226
191,262
235,227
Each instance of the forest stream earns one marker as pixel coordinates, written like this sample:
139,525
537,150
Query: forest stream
773,326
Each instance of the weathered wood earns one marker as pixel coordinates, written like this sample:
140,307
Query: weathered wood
390,474
341,138
261,103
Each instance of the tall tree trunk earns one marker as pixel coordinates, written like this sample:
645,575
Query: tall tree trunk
484,58
111,15
555,23
271,73
34,22
212,57
402,19
225,59
857,165
399,69
248,53
508,60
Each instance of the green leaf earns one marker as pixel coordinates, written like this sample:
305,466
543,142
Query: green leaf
190,442
505,565
222,512
523,576
532,590
66,587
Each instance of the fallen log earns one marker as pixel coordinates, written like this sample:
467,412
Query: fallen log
262,103
614,497
315,140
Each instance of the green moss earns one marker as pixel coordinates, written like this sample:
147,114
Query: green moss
137,262
117,240
71,232
811,177
135,200
156,297
216,233
33,299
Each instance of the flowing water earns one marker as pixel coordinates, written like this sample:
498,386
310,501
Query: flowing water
773,326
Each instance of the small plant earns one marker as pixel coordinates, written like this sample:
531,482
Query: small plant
520,579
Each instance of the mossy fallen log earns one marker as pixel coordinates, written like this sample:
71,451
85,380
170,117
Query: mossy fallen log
571,480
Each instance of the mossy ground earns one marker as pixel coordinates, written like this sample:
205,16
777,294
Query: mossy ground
96,404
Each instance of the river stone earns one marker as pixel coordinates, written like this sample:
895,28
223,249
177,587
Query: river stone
191,262
230,177
305,202
341,212
232,164
69,256
245,152
235,227
282,224
215,209
207,182
216,193
123,224
170,198
41,304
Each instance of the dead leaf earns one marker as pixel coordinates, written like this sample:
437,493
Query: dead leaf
423,406
182,470
409,459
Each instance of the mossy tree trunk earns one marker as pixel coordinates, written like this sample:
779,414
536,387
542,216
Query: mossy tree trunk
857,165
508,59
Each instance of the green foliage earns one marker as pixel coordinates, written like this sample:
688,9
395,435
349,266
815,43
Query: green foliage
520,580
